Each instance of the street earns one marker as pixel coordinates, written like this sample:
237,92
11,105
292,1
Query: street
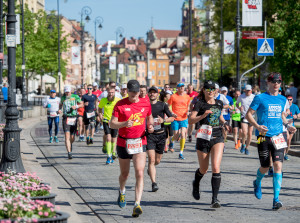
97,184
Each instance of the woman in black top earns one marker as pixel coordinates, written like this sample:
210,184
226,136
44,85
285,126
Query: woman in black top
207,112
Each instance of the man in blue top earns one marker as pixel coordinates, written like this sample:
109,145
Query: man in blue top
226,111
4,92
292,116
271,117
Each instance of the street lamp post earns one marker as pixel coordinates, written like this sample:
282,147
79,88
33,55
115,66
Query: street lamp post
119,33
2,106
58,54
85,11
24,101
148,60
191,40
11,159
98,22
222,36
238,30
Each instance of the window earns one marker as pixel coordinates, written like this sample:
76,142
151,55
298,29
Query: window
164,73
158,73
158,82
153,72
164,65
143,66
153,82
159,65
143,74
153,64
138,74
164,82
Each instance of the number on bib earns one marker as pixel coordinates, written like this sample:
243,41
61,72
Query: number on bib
53,114
204,132
90,114
71,121
134,146
157,125
279,142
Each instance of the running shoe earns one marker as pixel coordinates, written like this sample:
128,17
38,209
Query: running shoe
154,187
190,138
270,172
257,190
137,211
243,149
121,200
276,204
51,139
181,157
101,127
96,129
236,146
239,143
108,160
56,139
70,156
286,157
171,145
91,141
247,151
87,140
196,191
215,204
114,155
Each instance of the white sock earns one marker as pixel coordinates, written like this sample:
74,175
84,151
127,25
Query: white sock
122,191
181,152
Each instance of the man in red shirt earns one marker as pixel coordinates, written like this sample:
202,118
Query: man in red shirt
129,116
192,94
96,92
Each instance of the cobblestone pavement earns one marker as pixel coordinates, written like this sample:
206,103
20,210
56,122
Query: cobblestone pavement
97,184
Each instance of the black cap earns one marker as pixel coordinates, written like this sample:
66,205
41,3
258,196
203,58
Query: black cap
133,86
274,76
209,84
153,89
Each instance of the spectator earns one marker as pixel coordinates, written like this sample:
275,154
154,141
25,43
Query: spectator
4,92
292,90
256,90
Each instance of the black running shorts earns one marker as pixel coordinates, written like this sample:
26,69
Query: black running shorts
168,131
205,146
265,148
123,154
236,124
107,130
69,128
156,142
88,121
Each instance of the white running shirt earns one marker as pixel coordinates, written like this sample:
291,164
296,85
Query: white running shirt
245,102
54,104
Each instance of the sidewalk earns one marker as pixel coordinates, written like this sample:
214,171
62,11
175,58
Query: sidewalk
35,162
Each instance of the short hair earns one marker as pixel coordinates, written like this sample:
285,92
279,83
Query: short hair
111,82
90,85
111,88
143,86
166,85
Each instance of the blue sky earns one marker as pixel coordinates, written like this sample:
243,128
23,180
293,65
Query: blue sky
133,15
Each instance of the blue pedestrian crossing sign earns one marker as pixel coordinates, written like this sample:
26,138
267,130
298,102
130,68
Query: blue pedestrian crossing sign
265,47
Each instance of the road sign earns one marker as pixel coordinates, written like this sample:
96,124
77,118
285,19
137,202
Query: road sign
265,47
252,34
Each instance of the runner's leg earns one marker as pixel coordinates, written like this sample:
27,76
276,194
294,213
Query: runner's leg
151,164
56,121
50,122
68,141
249,136
139,162
124,173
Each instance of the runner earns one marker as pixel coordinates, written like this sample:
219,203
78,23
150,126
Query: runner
104,93
96,92
124,92
53,111
156,140
292,116
180,106
236,121
89,116
129,116
143,92
192,94
226,111
210,140
70,103
167,88
269,107
245,100
80,124
164,97
105,110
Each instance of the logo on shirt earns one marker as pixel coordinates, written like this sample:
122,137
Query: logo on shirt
274,111
127,109
137,119
142,110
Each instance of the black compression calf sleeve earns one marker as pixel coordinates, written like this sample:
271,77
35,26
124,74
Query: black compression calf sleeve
198,176
215,184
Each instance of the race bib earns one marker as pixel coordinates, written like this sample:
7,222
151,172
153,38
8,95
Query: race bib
224,111
53,114
157,125
279,142
134,146
204,132
71,121
90,114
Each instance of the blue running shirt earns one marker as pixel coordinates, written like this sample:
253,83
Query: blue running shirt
269,109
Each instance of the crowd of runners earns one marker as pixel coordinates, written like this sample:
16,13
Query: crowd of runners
141,123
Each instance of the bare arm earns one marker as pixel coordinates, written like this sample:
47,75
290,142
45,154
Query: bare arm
150,124
194,118
115,124
249,116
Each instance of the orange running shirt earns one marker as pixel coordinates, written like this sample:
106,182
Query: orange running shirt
180,105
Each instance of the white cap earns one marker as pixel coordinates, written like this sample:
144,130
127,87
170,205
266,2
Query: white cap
224,88
168,92
124,86
248,87
67,88
78,86
95,84
117,88
217,86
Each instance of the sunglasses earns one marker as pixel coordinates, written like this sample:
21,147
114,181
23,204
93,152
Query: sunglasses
290,99
90,88
209,89
276,81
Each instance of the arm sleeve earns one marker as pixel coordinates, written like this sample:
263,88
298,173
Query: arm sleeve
255,103
225,100
167,110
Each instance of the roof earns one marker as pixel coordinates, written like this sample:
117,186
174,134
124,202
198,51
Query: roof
160,33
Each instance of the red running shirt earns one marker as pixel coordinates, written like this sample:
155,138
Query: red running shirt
125,110
97,93
192,95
